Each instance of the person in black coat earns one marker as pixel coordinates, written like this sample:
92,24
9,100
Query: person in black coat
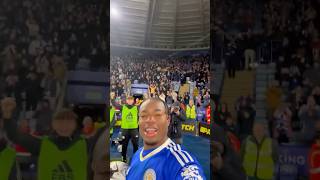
231,59
226,164
177,115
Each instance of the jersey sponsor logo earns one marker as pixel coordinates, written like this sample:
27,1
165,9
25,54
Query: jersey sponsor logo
150,174
63,171
191,173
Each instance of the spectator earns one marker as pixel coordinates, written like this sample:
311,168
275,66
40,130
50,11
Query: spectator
43,117
63,139
274,96
88,129
226,163
249,53
314,172
223,112
33,91
129,125
177,115
246,113
282,124
8,155
309,114
191,111
169,98
259,163
316,94
232,133
231,59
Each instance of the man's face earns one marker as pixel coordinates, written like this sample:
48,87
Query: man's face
87,122
311,102
112,95
153,123
64,127
191,103
130,101
258,130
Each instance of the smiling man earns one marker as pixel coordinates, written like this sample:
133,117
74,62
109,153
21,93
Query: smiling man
160,157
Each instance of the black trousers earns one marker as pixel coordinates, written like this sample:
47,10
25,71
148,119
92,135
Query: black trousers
232,72
128,134
231,67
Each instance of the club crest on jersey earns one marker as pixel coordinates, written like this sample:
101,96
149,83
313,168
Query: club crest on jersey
150,174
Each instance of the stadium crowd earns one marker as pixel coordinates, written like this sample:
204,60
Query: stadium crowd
290,30
41,41
163,76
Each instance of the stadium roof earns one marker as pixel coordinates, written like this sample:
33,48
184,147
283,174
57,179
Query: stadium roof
169,24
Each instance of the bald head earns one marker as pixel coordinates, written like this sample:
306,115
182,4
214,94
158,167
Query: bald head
259,130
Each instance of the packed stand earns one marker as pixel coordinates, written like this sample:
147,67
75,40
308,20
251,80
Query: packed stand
290,31
164,78
40,42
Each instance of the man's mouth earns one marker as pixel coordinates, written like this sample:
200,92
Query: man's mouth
150,132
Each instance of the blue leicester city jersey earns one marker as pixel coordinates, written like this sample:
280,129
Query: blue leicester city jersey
167,162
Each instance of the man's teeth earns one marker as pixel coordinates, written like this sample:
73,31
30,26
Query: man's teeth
151,129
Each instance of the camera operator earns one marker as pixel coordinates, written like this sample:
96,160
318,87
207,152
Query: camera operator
176,116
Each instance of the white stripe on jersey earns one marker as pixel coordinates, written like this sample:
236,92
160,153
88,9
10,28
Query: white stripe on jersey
170,145
185,152
177,157
176,150
191,159
179,147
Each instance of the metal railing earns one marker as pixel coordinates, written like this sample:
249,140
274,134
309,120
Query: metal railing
266,52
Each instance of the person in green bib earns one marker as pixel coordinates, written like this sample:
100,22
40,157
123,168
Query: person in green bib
129,126
112,119
63,154
191,111
7,157
259,154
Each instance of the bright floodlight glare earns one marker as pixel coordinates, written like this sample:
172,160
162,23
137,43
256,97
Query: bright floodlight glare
114,12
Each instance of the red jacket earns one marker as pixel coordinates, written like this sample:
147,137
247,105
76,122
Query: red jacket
314,161
235,142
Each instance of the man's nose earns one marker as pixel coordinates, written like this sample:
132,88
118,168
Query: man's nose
150,118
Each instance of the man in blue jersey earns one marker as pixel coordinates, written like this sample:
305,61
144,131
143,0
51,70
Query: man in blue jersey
160,158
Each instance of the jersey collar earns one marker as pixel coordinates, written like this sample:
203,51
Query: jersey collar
154,152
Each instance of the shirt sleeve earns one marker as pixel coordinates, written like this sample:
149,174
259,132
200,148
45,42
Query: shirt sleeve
191,172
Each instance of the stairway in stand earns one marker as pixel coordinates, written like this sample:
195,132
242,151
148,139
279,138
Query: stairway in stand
242,85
